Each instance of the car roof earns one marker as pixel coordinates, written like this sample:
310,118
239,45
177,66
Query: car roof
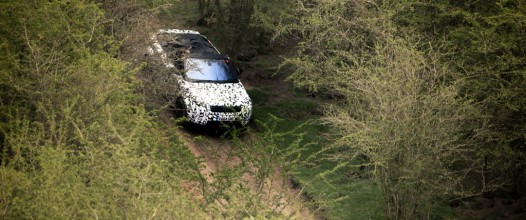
177,31
186,41
208,56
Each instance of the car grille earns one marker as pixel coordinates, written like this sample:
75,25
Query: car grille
219,108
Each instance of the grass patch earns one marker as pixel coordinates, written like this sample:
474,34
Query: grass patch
340,194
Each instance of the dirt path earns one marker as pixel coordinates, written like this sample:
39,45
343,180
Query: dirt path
218,155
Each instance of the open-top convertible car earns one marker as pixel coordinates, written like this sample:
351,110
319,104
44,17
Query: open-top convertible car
207,86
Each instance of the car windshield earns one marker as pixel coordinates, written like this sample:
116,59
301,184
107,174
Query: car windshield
210,70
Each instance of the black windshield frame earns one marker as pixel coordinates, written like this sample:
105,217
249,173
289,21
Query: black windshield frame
210,70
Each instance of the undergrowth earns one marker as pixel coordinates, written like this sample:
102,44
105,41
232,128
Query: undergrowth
337,191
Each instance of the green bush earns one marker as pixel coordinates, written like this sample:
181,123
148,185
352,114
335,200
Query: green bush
76,140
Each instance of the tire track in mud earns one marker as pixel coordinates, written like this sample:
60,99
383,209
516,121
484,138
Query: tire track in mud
217,154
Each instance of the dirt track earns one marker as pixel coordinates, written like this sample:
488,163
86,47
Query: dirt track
217,155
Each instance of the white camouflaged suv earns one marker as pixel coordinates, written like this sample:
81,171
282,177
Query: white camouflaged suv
208,88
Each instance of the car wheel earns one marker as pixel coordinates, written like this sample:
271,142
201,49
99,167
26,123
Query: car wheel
180,108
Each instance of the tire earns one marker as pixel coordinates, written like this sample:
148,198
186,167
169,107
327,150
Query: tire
179,108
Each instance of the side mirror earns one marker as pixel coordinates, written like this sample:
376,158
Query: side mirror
239,71
150,51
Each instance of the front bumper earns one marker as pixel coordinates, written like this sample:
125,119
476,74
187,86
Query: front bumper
202,114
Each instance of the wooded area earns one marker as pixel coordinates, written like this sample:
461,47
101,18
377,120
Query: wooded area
427,101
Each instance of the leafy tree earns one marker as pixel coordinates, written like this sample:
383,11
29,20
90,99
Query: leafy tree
399,113
485,40
76,140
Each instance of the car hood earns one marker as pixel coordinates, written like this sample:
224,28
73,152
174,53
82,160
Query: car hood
229,94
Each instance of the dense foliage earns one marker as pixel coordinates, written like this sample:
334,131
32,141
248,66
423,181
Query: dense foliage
428,103
432,92
484,41
75,139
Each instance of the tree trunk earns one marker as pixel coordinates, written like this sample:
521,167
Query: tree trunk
219,9
204,11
